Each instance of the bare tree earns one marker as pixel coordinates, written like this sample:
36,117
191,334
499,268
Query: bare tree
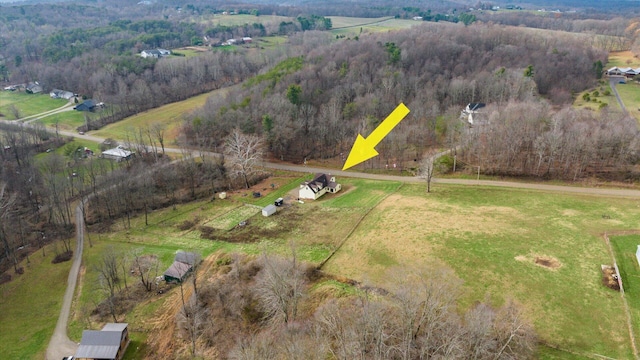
147,268
243,154
514,334
279,286
426,169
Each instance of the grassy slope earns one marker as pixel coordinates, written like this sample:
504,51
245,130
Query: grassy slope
490,237
169,115
630,95
28,104
30,306
238,20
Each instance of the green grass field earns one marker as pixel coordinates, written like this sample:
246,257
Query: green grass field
170,116
595,101
67,120
27,104
242,19
491,238
630,95
356,26
31,305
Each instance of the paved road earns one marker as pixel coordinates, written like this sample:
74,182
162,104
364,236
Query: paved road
510,184
613,81
60,345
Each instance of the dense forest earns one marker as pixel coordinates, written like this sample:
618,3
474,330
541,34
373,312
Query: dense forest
350,86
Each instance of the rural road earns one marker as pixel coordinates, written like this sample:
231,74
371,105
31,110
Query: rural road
613,80
510,184
60,345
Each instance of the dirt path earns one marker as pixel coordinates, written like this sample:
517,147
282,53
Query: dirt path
613,80
60,345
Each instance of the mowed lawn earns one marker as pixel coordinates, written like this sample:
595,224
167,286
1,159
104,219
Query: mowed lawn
170,116
30,306
491,238
27,104
66,120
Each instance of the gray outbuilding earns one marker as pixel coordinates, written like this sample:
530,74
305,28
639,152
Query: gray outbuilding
269,210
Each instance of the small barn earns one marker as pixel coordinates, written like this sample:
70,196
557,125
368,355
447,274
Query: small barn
109,343
177,272
269,210
182,266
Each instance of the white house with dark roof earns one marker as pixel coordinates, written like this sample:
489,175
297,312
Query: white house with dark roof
155,53
321,184
110,343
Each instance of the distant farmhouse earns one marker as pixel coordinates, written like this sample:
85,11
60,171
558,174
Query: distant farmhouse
60,94
118,154
472,114
33,88
321,184
626,71
109,343
182,266
155,53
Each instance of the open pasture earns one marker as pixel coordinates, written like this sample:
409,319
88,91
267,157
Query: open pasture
169,116
34,300
26,104
543,250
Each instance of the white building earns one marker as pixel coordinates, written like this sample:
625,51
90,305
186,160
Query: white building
320,185
118,154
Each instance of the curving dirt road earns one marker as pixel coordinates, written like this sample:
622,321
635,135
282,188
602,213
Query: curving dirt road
60,345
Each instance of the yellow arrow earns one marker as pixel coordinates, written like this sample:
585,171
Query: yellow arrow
363,149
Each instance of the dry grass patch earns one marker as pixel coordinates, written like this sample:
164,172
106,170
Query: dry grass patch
408,229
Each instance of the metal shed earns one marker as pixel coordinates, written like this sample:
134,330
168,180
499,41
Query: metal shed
269,210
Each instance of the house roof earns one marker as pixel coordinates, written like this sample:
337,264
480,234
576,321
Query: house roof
319,182
186,257
118,152
86,105
115,327
177,270
99,344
